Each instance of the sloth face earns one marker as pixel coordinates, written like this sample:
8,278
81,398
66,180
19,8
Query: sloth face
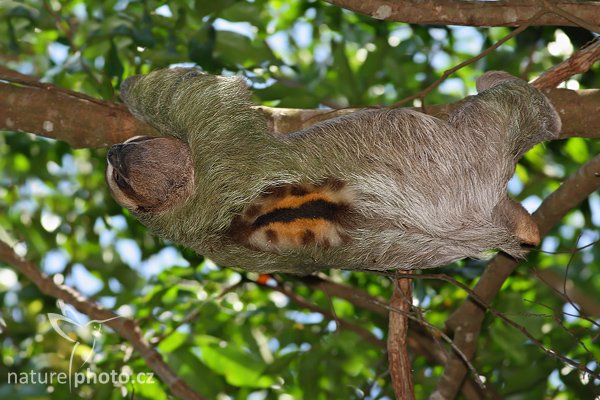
150,174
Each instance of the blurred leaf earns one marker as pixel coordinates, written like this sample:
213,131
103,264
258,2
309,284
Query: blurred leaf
236,49
204,7
113,66
577,149
240,368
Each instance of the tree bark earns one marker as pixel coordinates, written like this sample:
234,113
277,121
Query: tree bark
81,121
399,359
478,13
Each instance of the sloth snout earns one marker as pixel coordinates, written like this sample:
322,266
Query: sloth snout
113,155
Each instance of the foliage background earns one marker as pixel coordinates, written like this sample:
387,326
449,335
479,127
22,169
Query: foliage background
245,340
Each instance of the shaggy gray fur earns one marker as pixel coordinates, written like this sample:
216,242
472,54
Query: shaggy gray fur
428,192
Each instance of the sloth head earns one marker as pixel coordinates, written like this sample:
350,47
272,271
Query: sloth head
149,174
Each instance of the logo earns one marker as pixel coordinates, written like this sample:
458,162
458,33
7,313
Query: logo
92,328
79,332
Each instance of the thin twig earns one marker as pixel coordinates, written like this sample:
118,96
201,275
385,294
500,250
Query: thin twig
196,312
480,301
560,323
302,302
443,335
555,282
471,60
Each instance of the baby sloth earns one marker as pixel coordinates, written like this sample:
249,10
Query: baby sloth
373,190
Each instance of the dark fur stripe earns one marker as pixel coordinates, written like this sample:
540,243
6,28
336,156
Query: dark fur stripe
316,209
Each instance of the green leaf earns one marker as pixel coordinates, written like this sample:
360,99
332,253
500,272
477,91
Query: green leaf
194,372
238,49
113,65
309,373
150,391
505,337
243,12
207,7
239,367
281,363
173,342
577,149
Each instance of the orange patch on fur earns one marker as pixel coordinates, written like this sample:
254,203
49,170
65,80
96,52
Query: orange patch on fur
295,216
300,194
291,201
303,232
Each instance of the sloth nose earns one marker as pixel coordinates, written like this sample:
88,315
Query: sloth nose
113,155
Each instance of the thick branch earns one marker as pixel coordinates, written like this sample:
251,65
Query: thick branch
65,115
577,109
47,110
476,13
467,319
126,328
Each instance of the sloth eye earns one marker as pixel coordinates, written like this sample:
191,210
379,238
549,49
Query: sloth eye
119,180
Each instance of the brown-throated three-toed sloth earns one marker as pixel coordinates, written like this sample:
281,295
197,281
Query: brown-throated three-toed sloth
373,190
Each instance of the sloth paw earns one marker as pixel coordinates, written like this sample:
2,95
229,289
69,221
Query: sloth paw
519,221
527,231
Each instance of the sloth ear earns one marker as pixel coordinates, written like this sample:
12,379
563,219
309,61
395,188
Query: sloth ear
296,216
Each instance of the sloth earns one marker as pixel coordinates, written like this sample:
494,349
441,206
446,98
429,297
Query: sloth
378,189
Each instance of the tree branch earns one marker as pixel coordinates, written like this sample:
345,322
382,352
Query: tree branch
466,321
477,13
568,291
421,335
484,53
126,328
579,62
30,106
47,110
356,296
399,360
